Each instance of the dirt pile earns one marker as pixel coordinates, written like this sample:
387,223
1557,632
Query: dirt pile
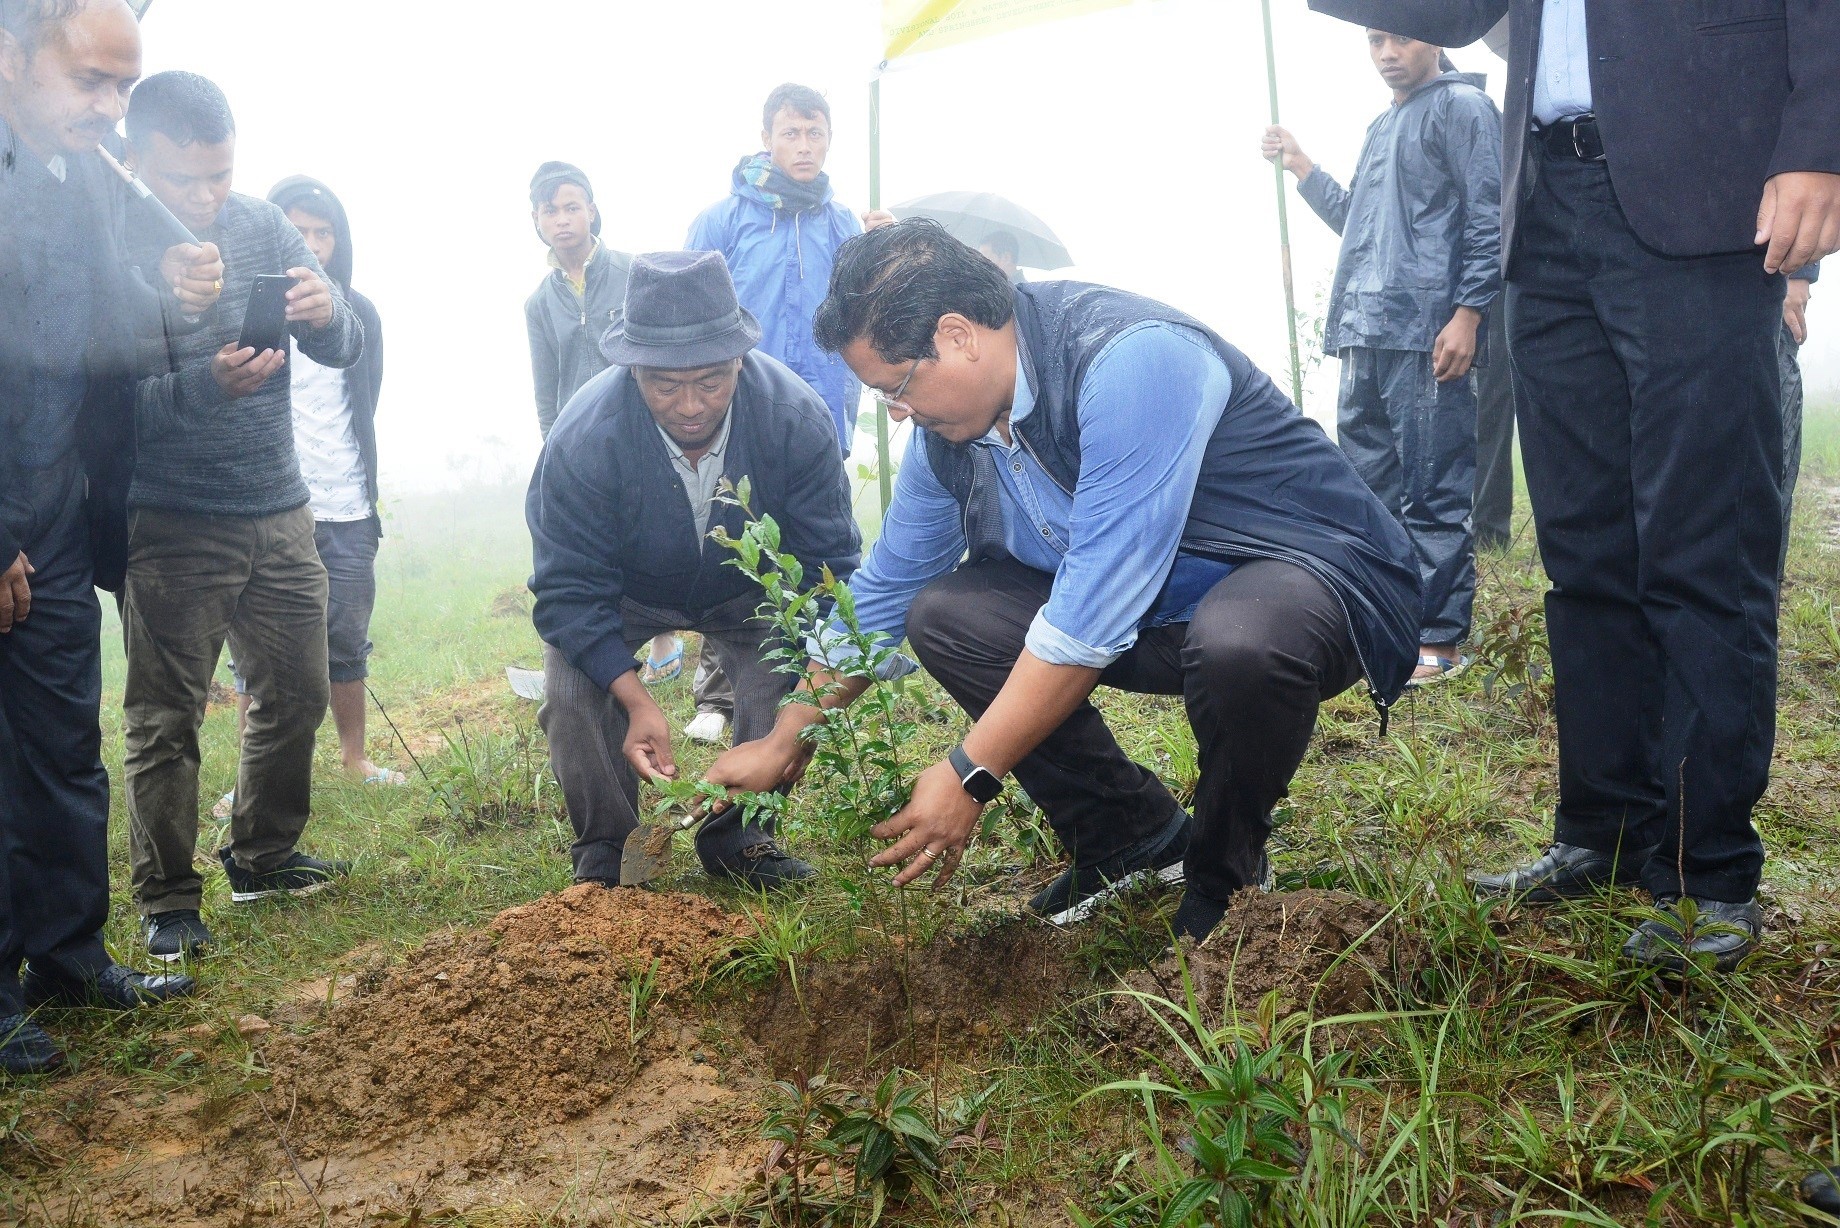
946,1002
1328,951
530,1019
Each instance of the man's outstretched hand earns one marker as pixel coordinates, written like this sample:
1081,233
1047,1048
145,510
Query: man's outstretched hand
15,593
648,733
1799,219
760,766
1278,143
932,830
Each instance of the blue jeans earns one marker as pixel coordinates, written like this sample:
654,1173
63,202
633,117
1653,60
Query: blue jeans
1413,441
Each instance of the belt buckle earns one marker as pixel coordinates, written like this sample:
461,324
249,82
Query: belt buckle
1578,145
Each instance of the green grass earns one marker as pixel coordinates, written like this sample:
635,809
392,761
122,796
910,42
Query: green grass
1522,1075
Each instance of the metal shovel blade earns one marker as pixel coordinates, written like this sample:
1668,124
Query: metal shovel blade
525,683
647,853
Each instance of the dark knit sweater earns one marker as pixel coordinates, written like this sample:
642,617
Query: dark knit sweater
201,452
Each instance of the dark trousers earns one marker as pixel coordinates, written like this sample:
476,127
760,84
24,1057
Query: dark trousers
54,792
1651,431
586,727
1266,646
1413,441
195,582
1493,517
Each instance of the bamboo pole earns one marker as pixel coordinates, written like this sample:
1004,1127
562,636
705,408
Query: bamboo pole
884,468
1284,225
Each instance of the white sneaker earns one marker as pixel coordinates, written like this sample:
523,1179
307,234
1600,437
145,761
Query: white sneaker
707,727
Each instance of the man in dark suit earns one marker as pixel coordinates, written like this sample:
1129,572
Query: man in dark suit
1664,164
70,312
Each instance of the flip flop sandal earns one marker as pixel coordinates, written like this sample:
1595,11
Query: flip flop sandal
385,776
657,672
1446,668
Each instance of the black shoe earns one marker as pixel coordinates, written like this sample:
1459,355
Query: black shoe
607,883
1565,872
298,875
1197,915
764,866
115,988
25,1049
1818,1190
1720,933
1080,889
177,935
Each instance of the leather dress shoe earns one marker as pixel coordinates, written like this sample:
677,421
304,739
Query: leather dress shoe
1565,872
115,988
1820,1192
25,1049
1720,933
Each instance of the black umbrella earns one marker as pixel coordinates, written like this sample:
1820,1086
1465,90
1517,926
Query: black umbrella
973,217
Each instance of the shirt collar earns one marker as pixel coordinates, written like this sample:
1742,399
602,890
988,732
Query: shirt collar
594,250
1022,404
716,449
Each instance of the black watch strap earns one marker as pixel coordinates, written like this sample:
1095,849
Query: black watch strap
980,782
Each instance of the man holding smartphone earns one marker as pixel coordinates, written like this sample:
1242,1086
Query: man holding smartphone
221,543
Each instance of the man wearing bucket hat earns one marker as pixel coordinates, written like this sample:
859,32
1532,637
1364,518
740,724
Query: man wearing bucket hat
620,511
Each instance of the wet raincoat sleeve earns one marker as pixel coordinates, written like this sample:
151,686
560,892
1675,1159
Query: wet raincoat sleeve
1328,198
545,370
1470,143
572,511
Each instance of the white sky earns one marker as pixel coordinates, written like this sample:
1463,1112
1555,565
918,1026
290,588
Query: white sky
1134,133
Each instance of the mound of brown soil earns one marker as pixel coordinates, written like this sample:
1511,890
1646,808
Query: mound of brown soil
528,1018
944,1003
1325,950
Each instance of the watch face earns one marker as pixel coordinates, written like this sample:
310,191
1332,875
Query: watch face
981,785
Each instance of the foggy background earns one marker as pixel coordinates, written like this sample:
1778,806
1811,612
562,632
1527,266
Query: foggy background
1133,132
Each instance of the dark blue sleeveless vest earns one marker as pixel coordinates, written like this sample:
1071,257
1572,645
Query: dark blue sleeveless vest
1272,485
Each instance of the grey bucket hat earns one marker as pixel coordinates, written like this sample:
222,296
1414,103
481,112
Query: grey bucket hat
681,312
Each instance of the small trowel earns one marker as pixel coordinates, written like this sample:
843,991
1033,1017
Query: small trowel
647,853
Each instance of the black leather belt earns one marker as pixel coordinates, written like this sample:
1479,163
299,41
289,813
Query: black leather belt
1575,136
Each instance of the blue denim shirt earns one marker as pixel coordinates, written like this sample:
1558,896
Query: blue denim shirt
1149,403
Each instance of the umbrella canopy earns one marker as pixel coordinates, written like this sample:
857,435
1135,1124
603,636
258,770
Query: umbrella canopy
973,217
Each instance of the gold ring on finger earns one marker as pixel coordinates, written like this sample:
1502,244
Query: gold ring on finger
928,853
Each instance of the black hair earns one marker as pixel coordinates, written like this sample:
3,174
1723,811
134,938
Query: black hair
801,98
891,285
1444,63
31,22
182,106
1003,243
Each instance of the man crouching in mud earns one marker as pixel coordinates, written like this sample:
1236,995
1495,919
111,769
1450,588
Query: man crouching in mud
1100,490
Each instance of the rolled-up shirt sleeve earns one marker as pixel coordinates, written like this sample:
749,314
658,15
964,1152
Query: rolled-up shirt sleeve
1149,404
922,538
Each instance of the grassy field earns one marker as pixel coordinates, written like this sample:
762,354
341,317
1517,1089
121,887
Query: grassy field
1501,1065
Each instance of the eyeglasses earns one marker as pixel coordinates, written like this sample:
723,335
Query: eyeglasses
892,400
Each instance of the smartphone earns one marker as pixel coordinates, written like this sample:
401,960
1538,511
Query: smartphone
265,318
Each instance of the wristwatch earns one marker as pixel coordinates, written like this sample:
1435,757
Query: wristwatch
980,782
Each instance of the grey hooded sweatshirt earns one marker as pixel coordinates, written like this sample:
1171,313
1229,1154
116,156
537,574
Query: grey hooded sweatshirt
1421,225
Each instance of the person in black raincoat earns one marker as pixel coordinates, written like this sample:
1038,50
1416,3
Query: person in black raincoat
1420,265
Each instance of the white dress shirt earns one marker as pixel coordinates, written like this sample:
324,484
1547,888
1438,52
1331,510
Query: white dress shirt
1562,75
